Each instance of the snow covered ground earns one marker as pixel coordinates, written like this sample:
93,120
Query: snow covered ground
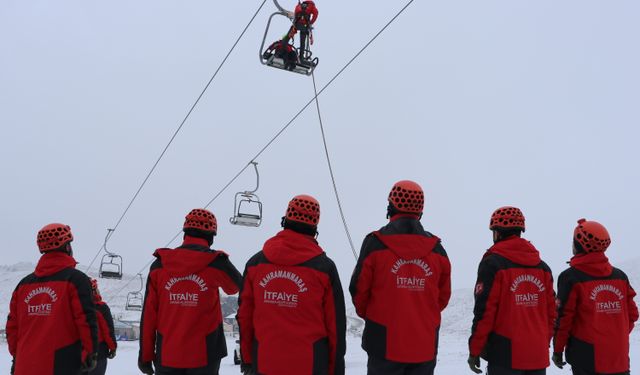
451,361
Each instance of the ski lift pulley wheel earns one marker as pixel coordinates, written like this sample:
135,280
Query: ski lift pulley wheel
111,267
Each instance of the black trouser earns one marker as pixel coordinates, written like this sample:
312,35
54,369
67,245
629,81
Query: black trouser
498,370
101,367
378,366
212,369
579,371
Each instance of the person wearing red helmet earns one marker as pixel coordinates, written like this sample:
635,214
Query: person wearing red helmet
181,330
400,286
291,307
515,309
596,311
51,328
304,16
107,344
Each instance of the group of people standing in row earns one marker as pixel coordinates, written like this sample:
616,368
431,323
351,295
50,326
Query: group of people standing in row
291,312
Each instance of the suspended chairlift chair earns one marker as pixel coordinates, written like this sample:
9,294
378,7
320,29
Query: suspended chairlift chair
247,208
305,65
135,299
111,264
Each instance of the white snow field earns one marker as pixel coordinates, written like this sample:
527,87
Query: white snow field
453,338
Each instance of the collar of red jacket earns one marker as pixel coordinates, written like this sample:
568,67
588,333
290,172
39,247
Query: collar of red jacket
593,264
183,262
289,248
54,262
516,249
403,216
408,246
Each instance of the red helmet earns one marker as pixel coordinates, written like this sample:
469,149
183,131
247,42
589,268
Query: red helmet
507,218
304,209
54,236
201,219
592,236
407,197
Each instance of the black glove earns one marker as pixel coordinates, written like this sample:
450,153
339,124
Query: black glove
557,360
474,363
247,369
146,368
111,354
13,366
90,363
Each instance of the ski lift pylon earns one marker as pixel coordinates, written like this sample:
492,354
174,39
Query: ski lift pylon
247,207
111,263
135,298
304,66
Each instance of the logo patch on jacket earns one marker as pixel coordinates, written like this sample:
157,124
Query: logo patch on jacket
184,297
604,301
411,282
528,295
40,307
282,298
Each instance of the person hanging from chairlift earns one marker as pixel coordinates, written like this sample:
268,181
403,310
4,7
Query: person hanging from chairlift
304,16
106,333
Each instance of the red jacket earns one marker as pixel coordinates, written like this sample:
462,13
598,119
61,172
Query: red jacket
51,328
106,332
181,323
401,284
515,307
301,16
596,313
291,315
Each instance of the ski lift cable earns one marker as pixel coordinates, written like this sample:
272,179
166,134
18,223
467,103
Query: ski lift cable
184,120
285,127
333,179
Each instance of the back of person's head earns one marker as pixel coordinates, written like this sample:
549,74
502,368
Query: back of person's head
406,197
201,223
303,215
590,237
55,237
506,222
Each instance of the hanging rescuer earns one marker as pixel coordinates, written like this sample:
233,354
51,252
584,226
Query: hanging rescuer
52,328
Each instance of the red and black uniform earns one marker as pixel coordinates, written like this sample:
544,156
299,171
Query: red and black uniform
514,309
401,284
106,335
51,328
292,316
305,15
181,325
596,314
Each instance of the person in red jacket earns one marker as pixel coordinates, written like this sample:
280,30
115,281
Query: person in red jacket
304,16
400,286
107,344
291,307
515,308
596,311
51,328
181,326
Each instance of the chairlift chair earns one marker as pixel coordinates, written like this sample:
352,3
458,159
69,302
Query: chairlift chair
304,66
111,266
135,299
247,207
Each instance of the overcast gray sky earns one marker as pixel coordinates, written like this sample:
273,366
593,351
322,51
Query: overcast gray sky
526,103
